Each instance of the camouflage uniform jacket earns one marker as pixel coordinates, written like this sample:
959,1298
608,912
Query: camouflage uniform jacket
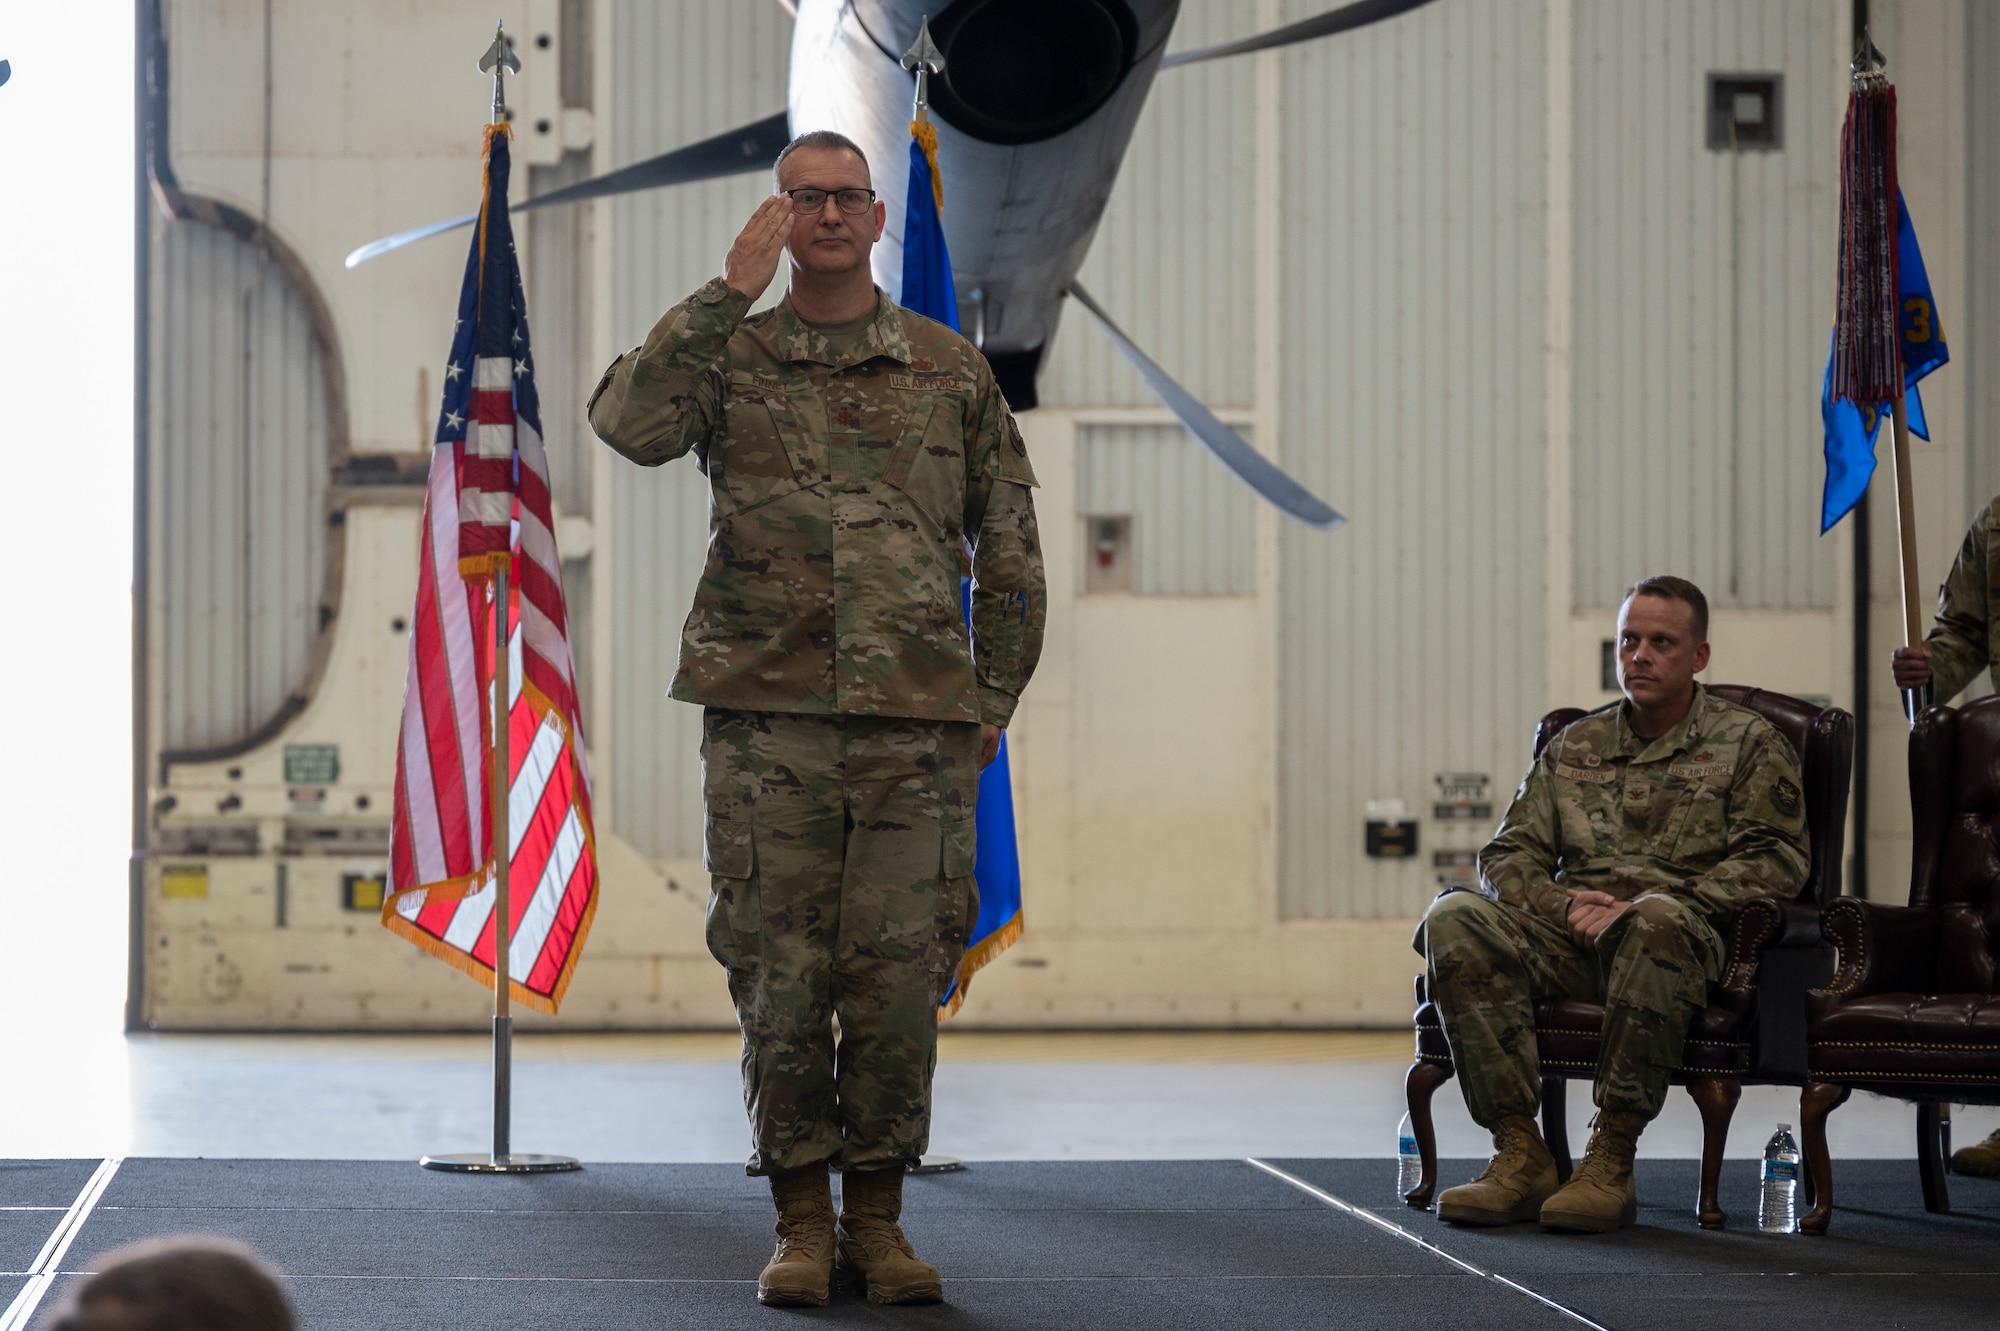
844,491
1966,639
1710,813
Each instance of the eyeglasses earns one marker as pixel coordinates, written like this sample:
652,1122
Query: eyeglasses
812,202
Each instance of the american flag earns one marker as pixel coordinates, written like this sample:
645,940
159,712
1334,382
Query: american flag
487,516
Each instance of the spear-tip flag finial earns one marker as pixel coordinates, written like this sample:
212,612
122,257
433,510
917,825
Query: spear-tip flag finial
500,61
924,59
1870,68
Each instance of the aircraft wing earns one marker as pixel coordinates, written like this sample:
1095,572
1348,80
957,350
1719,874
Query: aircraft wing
1348,17
1229,447
735,152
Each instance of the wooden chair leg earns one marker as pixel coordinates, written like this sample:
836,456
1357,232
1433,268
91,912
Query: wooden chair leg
1819,1099
1555,1123
1808,1195
1716,1098
1933,1122
1419,1084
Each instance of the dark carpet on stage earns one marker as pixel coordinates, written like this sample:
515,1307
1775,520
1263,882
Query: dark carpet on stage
1152,1245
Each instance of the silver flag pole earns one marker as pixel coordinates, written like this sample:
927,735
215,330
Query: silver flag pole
923,59
499,60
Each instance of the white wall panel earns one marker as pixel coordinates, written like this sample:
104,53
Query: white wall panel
1173,259
1975,351
1703,294
557,280
239,461
679,73
1413,323
1193,527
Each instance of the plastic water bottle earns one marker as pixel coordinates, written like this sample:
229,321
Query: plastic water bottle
1409,1165
1779,1211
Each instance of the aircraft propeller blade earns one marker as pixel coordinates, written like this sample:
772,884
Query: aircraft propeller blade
376,248
1234,452
751,148
1348,17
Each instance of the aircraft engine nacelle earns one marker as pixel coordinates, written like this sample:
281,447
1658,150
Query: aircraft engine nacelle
1034,110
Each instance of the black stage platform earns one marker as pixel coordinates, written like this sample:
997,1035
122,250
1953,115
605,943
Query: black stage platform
1152,1245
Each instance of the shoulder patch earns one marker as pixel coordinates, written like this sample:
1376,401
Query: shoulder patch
1013,460
1786,796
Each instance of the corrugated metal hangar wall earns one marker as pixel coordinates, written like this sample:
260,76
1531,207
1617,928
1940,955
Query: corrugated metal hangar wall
240,431
1475,275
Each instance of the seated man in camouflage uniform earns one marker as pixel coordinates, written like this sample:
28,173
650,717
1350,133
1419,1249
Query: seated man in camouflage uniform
1964,640
853,450
1614,877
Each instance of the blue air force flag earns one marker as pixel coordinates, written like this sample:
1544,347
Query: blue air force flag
927,285
928,289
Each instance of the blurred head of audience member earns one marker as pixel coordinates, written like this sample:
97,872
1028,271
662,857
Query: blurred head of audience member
187,1283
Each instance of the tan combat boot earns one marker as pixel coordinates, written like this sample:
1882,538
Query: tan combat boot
1518,1178
1600,1196
1981,1160
872,1247
800,1273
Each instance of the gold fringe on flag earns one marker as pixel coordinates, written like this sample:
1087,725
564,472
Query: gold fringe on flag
977,956
503,129
925,133
493,565
456,889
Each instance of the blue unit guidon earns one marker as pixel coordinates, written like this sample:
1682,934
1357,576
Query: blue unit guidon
1851,427
488,524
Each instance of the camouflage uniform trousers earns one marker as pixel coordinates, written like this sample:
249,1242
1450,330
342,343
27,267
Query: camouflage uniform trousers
840,850
1490,962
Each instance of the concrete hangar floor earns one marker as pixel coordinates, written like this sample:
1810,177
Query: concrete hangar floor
1144,1180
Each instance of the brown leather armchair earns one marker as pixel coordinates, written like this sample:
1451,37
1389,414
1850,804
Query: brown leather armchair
1753,1028
1914,1011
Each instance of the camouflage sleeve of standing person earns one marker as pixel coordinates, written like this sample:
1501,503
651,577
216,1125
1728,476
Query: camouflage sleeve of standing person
1010,595
661,398
1518,866
1958,641
1765,833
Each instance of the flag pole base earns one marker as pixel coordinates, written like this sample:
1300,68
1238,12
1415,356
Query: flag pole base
1914,701
474,1162
502,1159
937,1164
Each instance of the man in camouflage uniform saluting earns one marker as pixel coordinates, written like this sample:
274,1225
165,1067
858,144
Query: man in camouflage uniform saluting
853,451
1613,878
1964,640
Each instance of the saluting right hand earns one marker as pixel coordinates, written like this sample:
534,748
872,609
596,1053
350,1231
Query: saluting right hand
753,259
1912,666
